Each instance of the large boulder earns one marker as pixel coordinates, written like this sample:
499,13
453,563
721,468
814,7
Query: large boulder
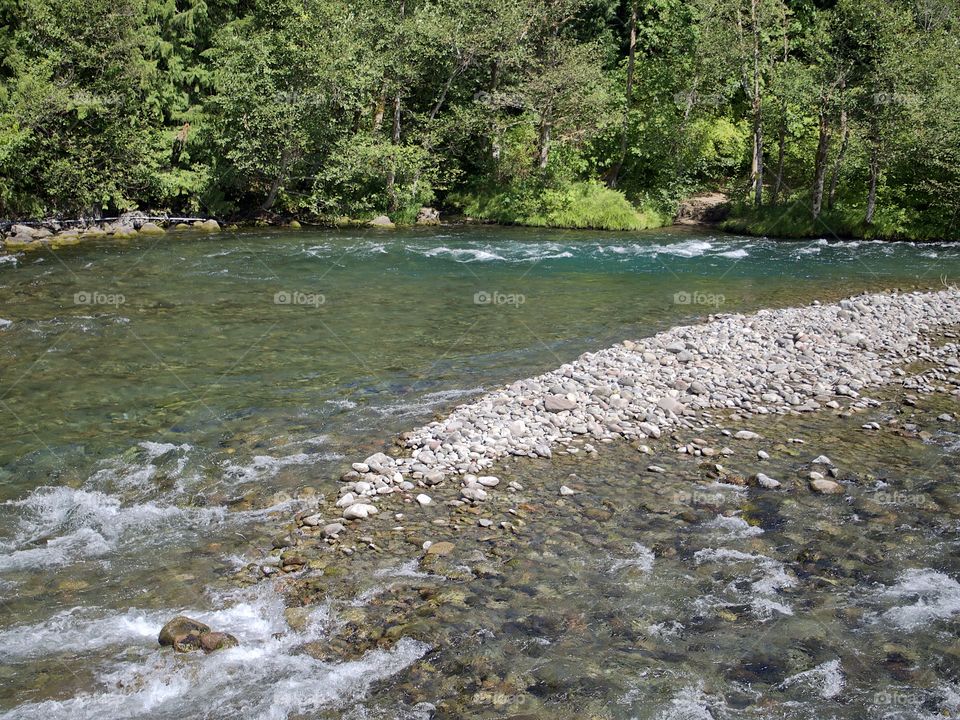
182,634
428,216
703,208
210,225
210,641
382,221
149,228
21,242
27,231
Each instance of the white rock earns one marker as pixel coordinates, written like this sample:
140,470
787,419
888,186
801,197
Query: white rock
564,490
767,482
423,499
649,429
473,493
347,500
359,511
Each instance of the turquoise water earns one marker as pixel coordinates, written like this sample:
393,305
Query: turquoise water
165,401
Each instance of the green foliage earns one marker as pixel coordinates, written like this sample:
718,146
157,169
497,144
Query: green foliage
518,110
576,205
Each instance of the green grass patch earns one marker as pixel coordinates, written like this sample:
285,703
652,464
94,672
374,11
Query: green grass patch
587,205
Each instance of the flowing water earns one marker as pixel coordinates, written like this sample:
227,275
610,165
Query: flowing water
168,403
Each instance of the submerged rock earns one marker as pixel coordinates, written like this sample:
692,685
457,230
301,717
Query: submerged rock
824,486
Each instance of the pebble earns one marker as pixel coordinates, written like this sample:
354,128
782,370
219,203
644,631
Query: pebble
763,455
655,469
821,460
746,435
359,511
424,499
825,487
473,493
333,529
564,490
766,481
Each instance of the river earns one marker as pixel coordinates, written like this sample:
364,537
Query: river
168,403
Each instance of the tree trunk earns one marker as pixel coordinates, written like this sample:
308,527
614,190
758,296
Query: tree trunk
844,139
495,140
393,202
614,173
380,109
782,135
543,155
757,164
781,153
277,183
874,177
820,166
395,140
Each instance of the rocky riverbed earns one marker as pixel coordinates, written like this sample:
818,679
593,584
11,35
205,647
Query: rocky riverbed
688,593
789,361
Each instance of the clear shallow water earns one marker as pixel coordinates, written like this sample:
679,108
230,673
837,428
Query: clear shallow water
165,401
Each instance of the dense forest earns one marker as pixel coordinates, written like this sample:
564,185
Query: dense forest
813,116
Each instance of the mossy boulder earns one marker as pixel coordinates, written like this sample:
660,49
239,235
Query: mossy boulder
210,225
150,228
382,221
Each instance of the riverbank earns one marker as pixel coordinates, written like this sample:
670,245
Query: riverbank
774,362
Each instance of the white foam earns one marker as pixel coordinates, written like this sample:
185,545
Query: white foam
643,560
685,249
8,259
4,324
691,703
937,596
766,580
733,527
60,525
81,630
267,676
342,404
666,629
826,679
735,254
263,467
464,255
